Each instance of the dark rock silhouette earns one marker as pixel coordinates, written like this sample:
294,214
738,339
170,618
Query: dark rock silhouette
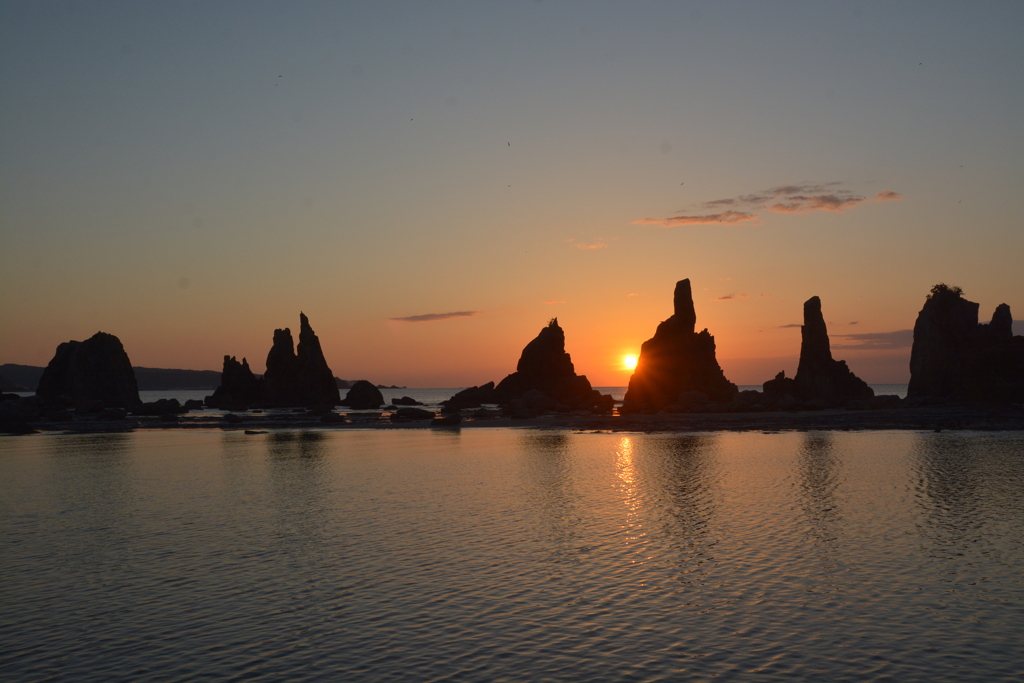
403,414
544,366
675,360
819,376
96,370
405,401
956,357
473,397
363,396
945,337
315,381
291,379
238,386
780,386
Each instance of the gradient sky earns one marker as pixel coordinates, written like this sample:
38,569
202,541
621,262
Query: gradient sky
190,175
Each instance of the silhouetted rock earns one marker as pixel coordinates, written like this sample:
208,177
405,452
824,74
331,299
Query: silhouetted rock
281,378
544,366
363,396
956,357
819,376
447,421
676,359
315,381
97,369
780,386
292,378
473,397
164,406
405,401
412,414
238,386
945,336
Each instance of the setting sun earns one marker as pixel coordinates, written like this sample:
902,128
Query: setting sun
629,362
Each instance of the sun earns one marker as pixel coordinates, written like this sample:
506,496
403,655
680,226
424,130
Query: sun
629,362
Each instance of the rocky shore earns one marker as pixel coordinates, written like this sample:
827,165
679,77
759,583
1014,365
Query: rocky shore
981,417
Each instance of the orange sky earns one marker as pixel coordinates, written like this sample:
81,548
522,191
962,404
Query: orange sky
189,180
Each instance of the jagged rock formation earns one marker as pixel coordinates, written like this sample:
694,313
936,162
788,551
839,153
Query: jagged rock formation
546,367
955,357
363,396
291,379
94,371
299,378
543,367
238,386
675,360
819,376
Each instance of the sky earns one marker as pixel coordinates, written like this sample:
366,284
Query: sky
432,182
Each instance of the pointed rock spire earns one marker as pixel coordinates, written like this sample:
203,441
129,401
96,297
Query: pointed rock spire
819,376
677,360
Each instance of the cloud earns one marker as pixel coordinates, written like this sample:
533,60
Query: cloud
854,322
783,199
428,317
782,327
599,243
900,339
800,203
706,219
725,297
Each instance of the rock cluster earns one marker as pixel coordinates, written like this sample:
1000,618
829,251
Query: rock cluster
96,370
677,360
294,377
954,356
545,379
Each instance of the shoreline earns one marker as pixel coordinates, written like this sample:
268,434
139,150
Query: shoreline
929,418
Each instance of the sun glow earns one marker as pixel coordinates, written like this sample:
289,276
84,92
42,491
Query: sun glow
629,362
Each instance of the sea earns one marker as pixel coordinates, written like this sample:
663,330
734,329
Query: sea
507,554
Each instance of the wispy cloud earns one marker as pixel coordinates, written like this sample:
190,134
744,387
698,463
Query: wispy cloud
801,203
598,243
725,297
900,339
782,327
784,199
730,217
429,317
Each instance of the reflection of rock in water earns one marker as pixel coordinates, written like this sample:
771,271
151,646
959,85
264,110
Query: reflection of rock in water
550,488
298,488
92,477
670,481
950,483
819,475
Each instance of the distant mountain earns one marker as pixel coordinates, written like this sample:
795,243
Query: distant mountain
8,385
149,379
161,379
25,375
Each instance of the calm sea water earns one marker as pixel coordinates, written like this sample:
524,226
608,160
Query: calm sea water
512,555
